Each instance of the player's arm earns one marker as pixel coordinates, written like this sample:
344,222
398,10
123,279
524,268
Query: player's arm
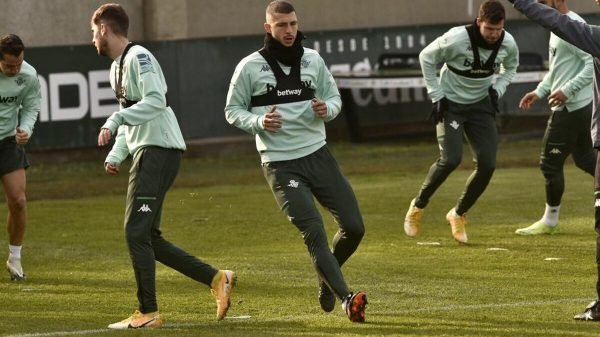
430,57
152,102
30,106
583,78
508,68
238,103
543,88
327,93
119,151
579,34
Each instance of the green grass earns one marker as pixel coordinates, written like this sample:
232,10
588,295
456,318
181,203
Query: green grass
221,210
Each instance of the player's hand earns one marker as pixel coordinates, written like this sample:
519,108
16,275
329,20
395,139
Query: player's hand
104,137
111,168
528,100
319,107
438,111
21,137
494,98
272,121
557,98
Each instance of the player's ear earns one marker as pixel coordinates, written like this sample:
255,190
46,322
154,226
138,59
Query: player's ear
103,28
267,27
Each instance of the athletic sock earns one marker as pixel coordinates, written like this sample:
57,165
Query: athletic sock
550,217
15,251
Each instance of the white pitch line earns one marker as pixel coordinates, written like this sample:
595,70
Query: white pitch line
58,333
408,311
90,332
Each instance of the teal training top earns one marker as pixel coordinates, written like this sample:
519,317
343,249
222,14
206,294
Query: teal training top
302,131
149,122
454,49
20,101
571,70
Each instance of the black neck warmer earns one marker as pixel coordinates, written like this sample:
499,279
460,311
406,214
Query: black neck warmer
286,55
478,39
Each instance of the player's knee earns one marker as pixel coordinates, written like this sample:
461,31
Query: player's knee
17,203
354,230
451,162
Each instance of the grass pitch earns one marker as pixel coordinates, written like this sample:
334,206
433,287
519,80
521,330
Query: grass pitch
222,210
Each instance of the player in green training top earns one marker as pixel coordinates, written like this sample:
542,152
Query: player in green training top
569,86
146,128
284,94
465,104
20,101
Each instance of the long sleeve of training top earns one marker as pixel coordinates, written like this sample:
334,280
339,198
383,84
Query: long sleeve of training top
580,34
148,122
119,152
302,131
454,49
571,71
20,101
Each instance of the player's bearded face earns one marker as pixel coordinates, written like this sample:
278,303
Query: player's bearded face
99,42
491,32
283,27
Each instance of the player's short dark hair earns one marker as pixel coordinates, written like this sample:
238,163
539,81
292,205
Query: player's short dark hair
114,16
280,6
12,45
492,12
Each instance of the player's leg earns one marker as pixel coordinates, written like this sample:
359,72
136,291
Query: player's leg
167,162
450,143
14,188
482,134
13,163
143,201
559,139
294,197
334,192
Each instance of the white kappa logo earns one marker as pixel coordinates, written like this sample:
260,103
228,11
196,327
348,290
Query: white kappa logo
145,208
293,184
454,125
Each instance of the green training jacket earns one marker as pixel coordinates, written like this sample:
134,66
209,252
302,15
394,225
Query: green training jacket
454,49
302,131
20,101
148,122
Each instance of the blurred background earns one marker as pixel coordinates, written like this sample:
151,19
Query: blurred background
369,45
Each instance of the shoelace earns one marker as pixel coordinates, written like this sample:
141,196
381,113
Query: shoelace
133,316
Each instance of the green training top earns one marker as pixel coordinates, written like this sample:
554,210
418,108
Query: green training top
20,101
149,122
571,70
454,49
302,131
